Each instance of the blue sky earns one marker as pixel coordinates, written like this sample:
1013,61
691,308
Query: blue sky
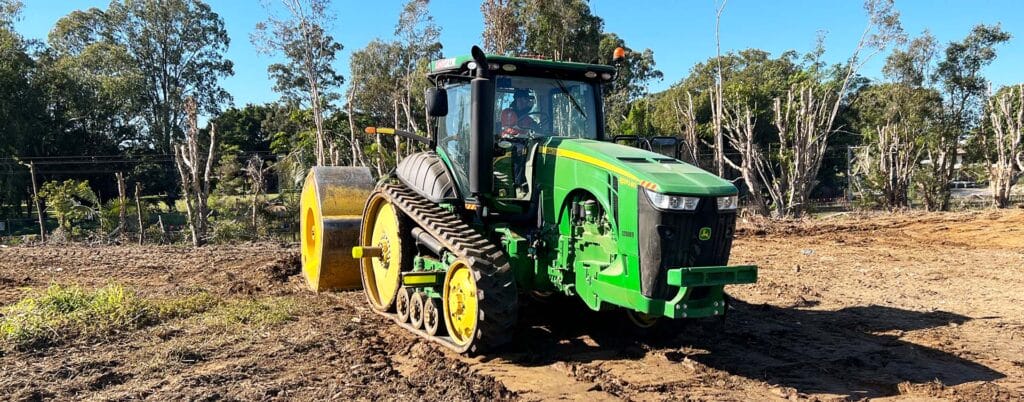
681,33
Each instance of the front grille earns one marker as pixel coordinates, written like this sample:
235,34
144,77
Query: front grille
671,239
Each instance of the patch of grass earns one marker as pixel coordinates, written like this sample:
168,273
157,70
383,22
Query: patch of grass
63,312
187,306
253,312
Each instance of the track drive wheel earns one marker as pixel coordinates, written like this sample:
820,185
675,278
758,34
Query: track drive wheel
432,321
382,275
402,305
416,310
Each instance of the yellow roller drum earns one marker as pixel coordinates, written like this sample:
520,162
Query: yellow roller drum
330,213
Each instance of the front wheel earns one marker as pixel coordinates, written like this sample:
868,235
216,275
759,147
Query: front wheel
382,274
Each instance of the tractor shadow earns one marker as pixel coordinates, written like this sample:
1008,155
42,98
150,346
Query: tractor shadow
854,351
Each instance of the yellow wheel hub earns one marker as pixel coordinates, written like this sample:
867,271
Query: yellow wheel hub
642,320
381,275
460,303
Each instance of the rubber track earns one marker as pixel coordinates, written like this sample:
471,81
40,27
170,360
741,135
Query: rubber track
496,288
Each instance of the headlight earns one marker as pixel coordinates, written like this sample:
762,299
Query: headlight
726,203
676,202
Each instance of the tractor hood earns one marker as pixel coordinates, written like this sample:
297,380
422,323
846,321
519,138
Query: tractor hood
647,169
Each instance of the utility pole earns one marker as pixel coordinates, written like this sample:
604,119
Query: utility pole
35,197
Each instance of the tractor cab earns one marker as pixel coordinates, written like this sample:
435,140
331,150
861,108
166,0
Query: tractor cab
523,103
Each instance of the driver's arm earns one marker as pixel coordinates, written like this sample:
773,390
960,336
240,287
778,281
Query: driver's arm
509,122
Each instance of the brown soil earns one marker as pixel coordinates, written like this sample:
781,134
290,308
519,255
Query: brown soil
895,307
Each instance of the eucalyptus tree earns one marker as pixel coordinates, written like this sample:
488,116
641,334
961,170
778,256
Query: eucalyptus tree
562,30
177,46
958,75
504,22
1004,142
897,118
301,36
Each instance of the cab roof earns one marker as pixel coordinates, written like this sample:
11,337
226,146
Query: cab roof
460,65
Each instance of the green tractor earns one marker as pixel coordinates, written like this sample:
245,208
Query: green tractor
523,192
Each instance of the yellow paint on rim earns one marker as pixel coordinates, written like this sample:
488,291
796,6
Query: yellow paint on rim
382,275
311,229
460,303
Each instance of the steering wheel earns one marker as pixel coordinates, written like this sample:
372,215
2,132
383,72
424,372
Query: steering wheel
541,118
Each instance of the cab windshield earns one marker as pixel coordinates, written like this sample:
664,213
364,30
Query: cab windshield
544,107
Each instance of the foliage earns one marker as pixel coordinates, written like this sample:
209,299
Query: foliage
176,46
309,76
109,215
66,201
10,11
635,73
503,26
958,75
562,30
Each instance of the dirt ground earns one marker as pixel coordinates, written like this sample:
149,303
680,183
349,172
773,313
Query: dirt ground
893,307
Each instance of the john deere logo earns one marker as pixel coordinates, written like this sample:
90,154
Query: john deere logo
705,233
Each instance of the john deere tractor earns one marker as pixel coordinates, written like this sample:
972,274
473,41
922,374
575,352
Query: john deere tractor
519,197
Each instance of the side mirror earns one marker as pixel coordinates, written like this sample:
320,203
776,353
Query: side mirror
437,102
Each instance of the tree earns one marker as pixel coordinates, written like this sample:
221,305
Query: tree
805,116
22,115
66,200
376,83
630,84
195,171
302,38
1004,153
562,30
963,86
895,120
177,46
418,38
717,111
10,11
503,26
255,170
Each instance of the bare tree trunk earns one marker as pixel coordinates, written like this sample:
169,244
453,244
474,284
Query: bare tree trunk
753,167
195,179
688,125
255,170
398,140
803,129
1007,133
357,150
163,229
898,157
138,213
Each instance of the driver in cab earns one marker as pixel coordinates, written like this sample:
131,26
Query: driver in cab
515,119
